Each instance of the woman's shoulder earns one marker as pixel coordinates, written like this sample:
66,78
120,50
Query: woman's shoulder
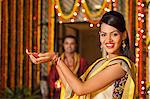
122,59
124,62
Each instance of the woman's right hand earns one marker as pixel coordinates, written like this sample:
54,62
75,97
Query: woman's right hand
38,58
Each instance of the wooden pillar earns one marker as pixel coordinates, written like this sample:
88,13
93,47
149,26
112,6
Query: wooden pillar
28,41
36,40
51,24
20,44
0,29
4,50
12,42
131,14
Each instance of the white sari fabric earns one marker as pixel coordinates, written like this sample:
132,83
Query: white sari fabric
111,91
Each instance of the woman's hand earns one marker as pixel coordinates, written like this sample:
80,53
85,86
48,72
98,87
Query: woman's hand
37,58
59,62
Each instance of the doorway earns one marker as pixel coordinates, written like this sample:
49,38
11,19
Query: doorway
87,36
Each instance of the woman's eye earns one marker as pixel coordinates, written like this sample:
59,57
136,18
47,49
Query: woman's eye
102,34
115,34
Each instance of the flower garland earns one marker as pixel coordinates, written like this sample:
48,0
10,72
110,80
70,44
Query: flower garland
88,12
66,16
106,6
140,48
148,41
148,51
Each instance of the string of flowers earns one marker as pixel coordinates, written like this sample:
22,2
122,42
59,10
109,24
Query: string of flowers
107,8
89,13
69,15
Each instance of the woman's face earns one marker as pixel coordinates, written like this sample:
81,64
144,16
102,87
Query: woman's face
69,45
110,39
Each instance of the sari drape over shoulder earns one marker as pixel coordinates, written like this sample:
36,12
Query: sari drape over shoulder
107,92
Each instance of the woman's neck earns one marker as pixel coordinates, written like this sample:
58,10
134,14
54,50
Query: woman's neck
109,56
112,55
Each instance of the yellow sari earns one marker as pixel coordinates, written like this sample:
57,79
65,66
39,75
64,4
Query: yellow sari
66,90
129,88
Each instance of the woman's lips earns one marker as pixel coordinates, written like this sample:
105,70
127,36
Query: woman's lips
109,45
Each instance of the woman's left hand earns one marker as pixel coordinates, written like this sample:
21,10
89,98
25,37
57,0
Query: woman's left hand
37,58
33,56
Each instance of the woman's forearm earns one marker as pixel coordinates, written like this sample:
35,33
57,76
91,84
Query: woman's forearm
71,78
97,82
61,76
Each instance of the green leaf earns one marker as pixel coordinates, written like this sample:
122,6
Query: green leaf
8,92
26,91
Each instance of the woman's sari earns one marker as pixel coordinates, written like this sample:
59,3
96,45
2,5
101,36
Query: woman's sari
108,91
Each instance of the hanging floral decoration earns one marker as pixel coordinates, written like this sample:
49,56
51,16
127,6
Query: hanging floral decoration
148,41
140,45
98,13
90,16
64,15
95,17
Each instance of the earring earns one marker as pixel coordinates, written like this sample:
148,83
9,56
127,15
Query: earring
123,44
100,47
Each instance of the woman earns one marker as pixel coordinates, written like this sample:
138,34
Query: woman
111,77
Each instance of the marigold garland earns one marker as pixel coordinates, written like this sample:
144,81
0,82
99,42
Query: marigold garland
89,14
90,19
148,41
67,16
85,6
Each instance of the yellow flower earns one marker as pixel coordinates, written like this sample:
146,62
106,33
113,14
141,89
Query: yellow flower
148,41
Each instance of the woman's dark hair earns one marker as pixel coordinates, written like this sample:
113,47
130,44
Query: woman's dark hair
116,20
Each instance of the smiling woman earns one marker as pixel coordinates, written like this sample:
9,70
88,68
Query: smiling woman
110,77
111,39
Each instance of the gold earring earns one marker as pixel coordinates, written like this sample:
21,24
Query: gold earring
100,47
123,44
